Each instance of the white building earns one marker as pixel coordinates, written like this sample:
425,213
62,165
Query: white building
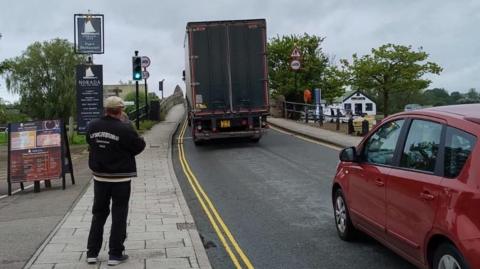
355,102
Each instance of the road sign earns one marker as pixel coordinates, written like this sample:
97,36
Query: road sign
146,74
295,53
145,61
295,64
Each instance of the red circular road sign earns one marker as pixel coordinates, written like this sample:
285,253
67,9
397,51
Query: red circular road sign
145,61
295,64
145,74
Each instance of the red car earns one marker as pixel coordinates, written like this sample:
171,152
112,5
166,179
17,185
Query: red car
413,183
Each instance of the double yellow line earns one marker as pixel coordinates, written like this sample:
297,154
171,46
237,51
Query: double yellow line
239,259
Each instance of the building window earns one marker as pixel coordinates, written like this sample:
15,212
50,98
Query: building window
368,107
347,106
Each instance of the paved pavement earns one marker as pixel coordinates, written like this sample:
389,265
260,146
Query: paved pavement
161,230
327,136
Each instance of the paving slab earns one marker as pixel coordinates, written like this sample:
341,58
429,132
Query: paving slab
322,135
157,205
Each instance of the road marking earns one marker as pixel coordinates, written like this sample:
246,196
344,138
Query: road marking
16,191
210,210
306,139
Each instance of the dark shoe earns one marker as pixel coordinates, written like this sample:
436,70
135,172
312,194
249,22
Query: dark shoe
92,260
116,260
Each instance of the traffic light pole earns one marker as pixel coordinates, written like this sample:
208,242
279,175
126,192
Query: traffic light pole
137,108
146,98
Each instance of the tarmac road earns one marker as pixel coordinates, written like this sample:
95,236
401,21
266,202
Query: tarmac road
275,197
27,218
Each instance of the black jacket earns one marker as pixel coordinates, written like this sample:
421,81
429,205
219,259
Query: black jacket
113,146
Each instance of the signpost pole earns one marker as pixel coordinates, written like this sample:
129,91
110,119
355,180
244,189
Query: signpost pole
9,182
146,99
137,108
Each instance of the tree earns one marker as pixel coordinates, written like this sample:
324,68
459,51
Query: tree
454,97
436,97
391,69
333,83
282,77
131,96
44,77
470,97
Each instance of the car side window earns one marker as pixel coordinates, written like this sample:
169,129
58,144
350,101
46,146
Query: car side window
458,146
421,148
380,147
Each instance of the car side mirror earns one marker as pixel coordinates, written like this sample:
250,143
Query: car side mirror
348,155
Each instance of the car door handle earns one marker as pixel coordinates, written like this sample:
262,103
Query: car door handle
427,196
379,182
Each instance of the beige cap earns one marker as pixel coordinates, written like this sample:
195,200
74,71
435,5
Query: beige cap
113,102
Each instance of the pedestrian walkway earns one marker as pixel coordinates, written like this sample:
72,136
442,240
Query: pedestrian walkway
161,230
326,136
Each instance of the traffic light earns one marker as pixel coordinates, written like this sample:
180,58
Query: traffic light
137,67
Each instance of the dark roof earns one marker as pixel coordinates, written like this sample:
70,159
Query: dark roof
349,94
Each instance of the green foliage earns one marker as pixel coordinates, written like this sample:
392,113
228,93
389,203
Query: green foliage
333,83
131,97
10,113
436,97
3,138
147,124
472,96
391,71
282,77
78,139
44,77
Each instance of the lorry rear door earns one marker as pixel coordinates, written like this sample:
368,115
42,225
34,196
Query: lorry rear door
210,72
248,65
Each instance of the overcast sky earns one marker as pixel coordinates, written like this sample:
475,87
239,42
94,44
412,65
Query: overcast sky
447,30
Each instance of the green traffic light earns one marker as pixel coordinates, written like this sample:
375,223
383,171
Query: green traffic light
138,75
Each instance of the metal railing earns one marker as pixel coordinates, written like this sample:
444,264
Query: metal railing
143,114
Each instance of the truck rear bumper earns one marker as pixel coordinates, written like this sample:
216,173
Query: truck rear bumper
256,133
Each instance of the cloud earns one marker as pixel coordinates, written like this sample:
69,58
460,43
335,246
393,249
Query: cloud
445,29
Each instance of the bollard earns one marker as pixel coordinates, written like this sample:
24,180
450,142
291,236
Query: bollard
351,129
364,127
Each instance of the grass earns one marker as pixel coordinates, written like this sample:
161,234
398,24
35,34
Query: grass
3,138
146,125
78,139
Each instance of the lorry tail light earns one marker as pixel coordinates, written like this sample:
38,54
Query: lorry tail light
244,122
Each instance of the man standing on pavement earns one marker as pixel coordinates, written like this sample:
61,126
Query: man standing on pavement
113,146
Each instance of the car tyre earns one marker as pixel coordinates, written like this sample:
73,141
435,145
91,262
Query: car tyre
447,256
345,229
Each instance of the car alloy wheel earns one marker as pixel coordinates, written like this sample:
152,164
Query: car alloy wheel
448,262
343,223
340,214
447,256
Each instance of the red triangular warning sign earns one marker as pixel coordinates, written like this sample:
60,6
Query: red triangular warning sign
295,53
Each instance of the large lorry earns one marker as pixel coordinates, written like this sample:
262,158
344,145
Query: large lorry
226,79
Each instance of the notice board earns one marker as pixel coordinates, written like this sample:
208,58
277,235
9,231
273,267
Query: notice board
37,150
